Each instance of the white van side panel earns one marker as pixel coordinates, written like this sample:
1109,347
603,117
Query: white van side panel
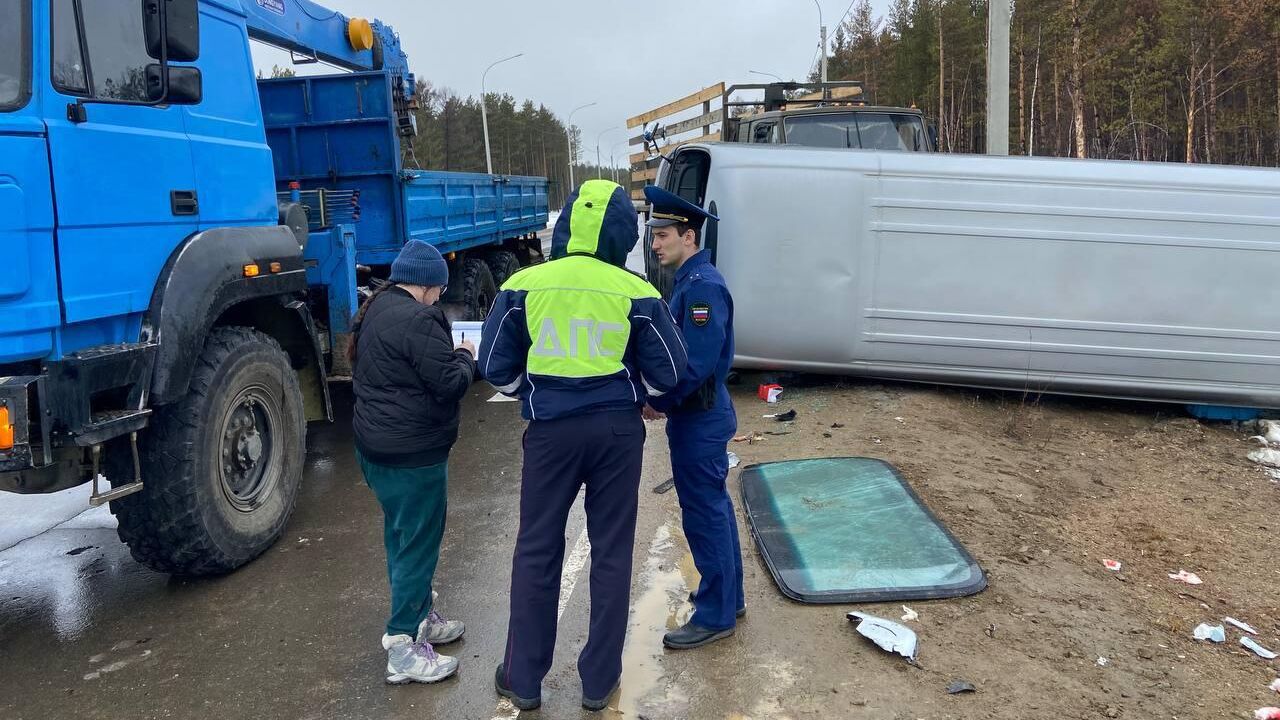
1142,280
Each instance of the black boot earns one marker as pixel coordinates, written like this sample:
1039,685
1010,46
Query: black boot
602,703
508,693
692,636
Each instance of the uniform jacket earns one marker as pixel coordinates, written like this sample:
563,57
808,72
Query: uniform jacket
581,334
704,312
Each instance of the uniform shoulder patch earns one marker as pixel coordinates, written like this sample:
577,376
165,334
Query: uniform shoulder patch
700,313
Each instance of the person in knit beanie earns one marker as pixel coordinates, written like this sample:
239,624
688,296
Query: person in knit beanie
409,380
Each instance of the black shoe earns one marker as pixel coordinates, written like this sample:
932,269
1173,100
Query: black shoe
740,613
692,636
602,703
506,692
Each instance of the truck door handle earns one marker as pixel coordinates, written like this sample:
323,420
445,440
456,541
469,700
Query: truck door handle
183,202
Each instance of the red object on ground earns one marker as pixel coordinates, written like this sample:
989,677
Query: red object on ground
1267,713
763,392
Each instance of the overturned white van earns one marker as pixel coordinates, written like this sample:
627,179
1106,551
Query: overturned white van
1118,279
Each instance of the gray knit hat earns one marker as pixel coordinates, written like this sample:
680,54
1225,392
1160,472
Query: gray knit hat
419,263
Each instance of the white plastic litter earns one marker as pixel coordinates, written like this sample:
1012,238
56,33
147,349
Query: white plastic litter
499,397
1243,626
1270,430
889,635
1216,633
733,460
909,614
1186,577
1275,685
1103,662
1258,649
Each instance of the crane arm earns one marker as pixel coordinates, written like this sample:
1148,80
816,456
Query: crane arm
309,29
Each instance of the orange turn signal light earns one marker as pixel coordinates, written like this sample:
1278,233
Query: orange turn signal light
6,429
275,267
252,270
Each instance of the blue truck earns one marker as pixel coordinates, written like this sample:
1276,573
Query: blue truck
185,246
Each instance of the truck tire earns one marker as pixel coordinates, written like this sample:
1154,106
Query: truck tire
478,288
221,467
503,264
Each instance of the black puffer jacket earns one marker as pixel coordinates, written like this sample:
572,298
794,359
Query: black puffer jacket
408,381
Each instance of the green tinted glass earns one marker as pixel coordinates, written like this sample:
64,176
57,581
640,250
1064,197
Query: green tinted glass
841,530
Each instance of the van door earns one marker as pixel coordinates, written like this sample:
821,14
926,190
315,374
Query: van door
124,188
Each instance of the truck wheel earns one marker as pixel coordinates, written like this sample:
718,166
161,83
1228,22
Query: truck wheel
221,467
478,288
503,264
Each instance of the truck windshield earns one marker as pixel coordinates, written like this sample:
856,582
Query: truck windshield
15,54
869,130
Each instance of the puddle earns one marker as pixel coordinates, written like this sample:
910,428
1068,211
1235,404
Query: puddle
662,606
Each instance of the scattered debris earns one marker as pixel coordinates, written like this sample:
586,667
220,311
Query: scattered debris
901,420
1112,565
769,393
1275,685
889,635
777,433
1216,633
733,460
1258,650
1268,456
1103,662
664,486
499,397
960,686
1266,713
750,439
1270,431
787,416
79,550
1146,654
991,630
303,540
836,426
1243,626
1186,577
909,614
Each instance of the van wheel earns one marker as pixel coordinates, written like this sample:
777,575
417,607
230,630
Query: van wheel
221,467
478,288
503,264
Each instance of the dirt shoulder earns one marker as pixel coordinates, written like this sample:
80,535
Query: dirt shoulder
1041,491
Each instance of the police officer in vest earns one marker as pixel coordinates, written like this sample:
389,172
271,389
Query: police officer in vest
581,341
700,419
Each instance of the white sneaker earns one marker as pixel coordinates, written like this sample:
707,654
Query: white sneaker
408,661
435,629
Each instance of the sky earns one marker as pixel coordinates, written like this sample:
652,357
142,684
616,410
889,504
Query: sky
627,60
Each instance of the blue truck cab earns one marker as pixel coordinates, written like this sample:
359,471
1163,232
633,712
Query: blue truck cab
183,249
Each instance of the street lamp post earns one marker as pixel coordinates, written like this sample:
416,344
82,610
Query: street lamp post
822,32
568,135
484,116
612,163
604,132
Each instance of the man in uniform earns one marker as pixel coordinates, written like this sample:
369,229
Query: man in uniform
581,341
700,419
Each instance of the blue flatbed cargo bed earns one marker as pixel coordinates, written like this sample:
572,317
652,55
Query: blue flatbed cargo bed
339,133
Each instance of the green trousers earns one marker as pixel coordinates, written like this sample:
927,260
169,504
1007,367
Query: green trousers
413,510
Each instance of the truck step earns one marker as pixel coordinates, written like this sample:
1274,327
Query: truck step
115,493
111,424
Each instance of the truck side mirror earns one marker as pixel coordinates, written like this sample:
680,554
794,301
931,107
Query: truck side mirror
182,29
186,86
933,136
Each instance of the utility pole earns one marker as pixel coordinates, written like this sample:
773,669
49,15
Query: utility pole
998,20
568,134
484,116
822,34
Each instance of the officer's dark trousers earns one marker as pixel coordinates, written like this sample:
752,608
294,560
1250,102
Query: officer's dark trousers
604,452
712,531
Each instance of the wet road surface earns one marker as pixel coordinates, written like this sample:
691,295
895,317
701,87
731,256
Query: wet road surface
87,632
